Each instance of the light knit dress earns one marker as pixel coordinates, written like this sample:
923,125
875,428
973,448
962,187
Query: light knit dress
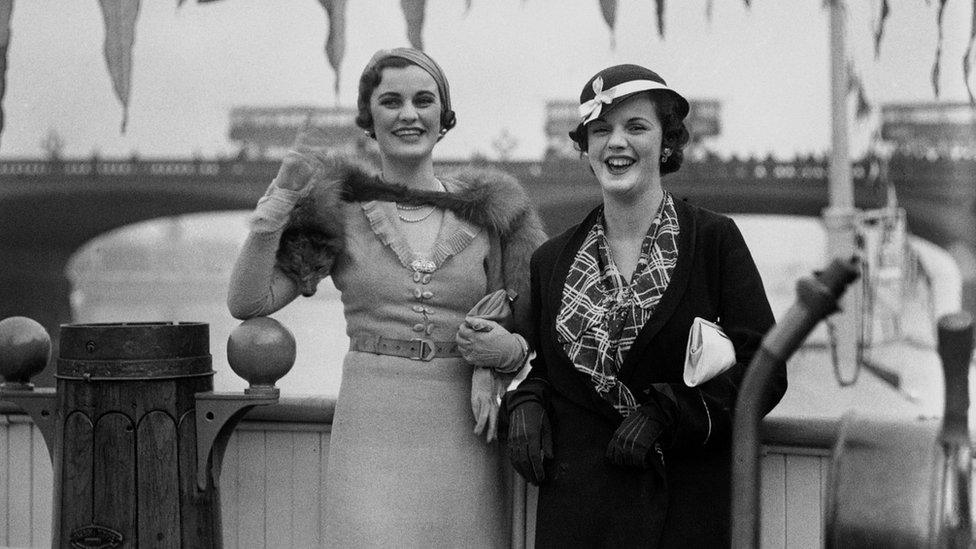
405,469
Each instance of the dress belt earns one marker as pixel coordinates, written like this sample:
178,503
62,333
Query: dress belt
415,349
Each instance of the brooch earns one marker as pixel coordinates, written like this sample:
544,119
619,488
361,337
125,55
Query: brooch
423,266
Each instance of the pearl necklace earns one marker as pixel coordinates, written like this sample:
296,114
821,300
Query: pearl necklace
413,208
406,219
408,208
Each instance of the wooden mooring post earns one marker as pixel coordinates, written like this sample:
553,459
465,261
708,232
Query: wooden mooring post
134,427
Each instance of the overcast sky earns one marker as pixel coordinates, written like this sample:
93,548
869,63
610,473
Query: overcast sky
768,65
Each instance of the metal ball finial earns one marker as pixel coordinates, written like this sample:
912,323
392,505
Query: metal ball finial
25,349
261,350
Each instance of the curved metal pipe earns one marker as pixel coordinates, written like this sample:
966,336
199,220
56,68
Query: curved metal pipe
816,298
955,333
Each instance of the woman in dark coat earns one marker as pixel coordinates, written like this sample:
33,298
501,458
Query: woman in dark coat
624,452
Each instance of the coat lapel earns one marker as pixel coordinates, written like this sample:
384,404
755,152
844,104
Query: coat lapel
672,295
563,262
561,269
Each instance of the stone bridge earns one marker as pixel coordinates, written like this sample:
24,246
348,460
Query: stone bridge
48,209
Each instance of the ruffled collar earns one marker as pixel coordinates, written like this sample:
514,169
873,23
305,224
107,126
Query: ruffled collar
453,235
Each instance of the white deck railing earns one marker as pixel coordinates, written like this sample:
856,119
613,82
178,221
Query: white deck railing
273,490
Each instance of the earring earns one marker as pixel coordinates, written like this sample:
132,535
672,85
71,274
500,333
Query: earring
443,131
369,134
665,154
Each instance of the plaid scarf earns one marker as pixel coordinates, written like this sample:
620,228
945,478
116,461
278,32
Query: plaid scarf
601,314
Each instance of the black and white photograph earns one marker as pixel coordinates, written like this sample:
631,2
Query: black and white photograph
487,273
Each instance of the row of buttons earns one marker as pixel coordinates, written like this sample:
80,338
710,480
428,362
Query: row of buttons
426,327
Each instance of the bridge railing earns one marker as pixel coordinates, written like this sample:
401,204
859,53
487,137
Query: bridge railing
127,168
812,168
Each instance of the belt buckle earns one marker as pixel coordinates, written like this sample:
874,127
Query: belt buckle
425,351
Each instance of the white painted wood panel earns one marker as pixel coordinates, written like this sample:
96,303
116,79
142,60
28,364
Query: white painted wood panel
803,502
4,477
278,475
252,494
26,484
273,489
773,497
229,496
43,495
324,442
309,467
824,478
21,466
279,469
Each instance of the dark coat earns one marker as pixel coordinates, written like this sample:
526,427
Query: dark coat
587,502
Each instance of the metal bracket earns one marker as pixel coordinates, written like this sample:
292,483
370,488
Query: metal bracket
41,405
217,413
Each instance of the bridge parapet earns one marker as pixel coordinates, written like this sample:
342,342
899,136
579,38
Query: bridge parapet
734,168
96,167
943,177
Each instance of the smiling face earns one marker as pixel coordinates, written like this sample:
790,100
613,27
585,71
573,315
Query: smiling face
406,111
624,146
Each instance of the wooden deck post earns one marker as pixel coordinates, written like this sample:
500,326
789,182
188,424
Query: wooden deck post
125,461
135,430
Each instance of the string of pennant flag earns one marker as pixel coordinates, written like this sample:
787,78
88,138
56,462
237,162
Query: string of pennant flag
120,18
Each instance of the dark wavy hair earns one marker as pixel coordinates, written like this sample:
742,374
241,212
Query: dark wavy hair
372,77
674,133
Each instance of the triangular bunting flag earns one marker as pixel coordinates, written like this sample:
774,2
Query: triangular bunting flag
120,33
879,32
938,49
967,58
6,7
660,18
609,9
856,86
335,43
413,12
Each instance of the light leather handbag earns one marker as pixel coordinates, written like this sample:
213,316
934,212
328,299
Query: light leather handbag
494,306
710,352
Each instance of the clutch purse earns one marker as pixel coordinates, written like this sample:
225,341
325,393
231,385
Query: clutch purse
494,306
710,352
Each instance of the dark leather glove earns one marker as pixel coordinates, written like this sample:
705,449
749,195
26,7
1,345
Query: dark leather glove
638,440
633,442
529,440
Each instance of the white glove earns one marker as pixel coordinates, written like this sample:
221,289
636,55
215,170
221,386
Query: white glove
288,187
487,344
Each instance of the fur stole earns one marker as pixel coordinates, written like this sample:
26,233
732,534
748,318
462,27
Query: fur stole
488,198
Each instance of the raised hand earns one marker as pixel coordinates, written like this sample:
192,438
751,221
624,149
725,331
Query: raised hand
296,171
